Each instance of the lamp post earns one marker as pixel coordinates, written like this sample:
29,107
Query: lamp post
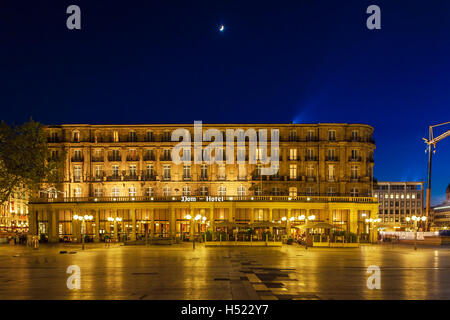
189,217
372,222
416,220
115,220
198,218
83,220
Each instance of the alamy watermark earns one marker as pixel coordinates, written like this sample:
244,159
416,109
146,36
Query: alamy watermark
74,280
213,152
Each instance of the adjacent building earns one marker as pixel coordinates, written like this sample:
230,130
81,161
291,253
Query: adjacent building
399,200
14,213
441,213
124,177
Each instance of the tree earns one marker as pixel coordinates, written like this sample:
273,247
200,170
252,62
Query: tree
25,159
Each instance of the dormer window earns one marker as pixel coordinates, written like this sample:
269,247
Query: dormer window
76,136
132,136
115,136
166,136
332,135
54,137
293,135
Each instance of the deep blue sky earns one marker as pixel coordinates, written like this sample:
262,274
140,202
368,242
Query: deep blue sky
164,61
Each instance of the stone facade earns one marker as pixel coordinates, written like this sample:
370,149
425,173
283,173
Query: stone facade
126,171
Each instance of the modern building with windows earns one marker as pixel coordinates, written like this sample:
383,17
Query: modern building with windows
399,200
126,171
441,213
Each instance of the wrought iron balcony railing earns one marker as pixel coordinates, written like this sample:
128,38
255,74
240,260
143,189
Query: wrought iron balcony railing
266,198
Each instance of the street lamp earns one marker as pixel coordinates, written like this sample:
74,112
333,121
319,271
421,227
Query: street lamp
83,220
198,218
115,220
416,220
372,222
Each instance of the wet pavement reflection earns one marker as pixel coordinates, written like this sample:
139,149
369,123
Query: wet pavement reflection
179,272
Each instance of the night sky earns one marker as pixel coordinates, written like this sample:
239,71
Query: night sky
165,61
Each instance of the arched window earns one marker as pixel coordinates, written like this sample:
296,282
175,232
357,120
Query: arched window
292,191
76,136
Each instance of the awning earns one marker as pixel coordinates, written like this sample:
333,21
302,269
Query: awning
230,224
320,225
264,224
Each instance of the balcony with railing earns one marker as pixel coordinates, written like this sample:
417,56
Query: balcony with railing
240,198
132,158
276,177
311,158
131,176
165,158
148,176
354,139
354,159
310,179
149,157
98,176
114,176
312,139
114,158
97,159
77,159
335,159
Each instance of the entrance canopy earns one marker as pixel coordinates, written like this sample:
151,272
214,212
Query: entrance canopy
320,225
226,224
264,224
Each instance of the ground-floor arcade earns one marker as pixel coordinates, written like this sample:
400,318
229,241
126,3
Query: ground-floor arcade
136,219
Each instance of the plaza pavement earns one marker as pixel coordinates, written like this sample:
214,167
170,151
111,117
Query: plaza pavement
179,272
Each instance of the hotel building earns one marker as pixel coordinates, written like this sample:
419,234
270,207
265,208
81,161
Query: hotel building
399,200
126,172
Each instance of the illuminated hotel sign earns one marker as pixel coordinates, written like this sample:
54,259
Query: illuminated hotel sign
206,198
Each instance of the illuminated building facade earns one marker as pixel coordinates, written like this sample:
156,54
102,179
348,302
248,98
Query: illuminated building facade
126,171
441,213
399,200
14,213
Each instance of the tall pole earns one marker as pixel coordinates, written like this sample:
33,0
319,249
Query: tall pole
82,231
431,142
428,187
415,234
